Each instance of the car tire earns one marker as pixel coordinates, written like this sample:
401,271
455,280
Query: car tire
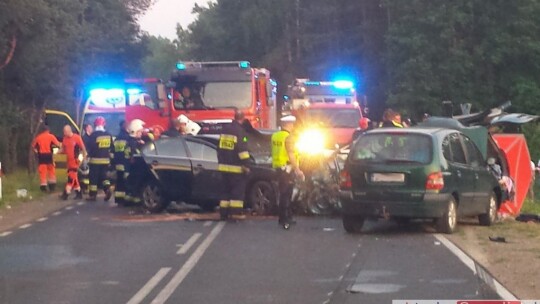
487,219
153,198
262,198
353,223
208,205
448,222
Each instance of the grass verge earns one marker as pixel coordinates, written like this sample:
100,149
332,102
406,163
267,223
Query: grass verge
20,179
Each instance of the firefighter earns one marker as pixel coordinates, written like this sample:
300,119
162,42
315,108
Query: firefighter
99,154
391,119
120,163
179,127
72,146
138,137
233,157
43,145
285,162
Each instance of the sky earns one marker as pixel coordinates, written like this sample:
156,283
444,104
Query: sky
162,18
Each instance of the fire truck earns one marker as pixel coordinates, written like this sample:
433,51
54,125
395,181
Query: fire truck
207,93
304,92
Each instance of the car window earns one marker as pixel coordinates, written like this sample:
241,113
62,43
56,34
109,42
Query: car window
172,147
149,149
453,150
388,147
475,158
202,151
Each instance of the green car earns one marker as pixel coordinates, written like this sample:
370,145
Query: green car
417,173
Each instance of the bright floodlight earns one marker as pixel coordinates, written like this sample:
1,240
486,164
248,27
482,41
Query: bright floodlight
343,84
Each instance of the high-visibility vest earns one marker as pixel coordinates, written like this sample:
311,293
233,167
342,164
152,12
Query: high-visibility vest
280,157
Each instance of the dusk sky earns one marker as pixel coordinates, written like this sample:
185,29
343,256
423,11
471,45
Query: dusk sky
162,18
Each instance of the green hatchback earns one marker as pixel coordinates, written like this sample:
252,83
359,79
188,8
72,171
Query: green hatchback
417,173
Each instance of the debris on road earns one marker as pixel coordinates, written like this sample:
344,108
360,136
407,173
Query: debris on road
527,217
498,239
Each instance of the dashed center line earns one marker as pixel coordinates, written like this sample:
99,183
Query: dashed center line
192,240
25,226
43,219
207,224
147,288
80,203
57,213
69,207
5,233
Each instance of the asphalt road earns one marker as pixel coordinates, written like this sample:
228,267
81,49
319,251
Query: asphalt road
98,253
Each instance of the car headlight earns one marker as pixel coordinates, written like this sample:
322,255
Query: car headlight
311,141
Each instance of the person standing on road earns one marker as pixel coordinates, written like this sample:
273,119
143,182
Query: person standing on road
285,162
391,119
138,138
100,154
233,158
43,147
120,163
72,146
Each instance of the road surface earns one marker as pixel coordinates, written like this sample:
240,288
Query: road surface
93,252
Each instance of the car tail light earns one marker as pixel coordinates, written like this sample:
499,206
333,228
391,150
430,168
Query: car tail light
435,181
345,180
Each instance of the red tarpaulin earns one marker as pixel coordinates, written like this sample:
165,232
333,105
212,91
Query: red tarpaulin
519,166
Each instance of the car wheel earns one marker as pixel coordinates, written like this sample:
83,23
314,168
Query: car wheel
153,198
353,223
262,198
448,222
208,206
489,218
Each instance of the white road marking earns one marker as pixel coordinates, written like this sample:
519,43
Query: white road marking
25,226
80,203
69,207
151,284
57,213
43,219
476,269
207,224
192,240
188,266
5,233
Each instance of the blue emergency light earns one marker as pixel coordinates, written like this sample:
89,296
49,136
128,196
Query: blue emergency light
312,83
343,84
104,97
244,64
181,66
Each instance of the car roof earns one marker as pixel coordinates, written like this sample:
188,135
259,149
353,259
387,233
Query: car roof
414,130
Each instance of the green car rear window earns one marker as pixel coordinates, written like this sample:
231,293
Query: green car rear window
393,148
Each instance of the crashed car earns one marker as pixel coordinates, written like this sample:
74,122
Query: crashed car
186,169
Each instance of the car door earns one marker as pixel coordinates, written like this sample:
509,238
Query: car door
171,166
484,180
206,177
464,174
56,120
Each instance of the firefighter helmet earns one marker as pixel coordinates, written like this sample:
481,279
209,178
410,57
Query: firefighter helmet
99,122
183,119
135,126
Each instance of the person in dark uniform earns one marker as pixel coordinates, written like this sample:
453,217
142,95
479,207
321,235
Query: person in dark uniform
285,162
120,163
135,163
233,158
100,149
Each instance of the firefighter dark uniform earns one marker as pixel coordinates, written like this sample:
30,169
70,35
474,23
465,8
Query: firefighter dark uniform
43,145
120,164
100,153
233,156
282,141
135,167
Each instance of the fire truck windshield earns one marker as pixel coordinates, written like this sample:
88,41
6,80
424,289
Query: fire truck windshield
112,119
226,94
334,117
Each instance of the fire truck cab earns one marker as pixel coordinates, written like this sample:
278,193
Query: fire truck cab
207,93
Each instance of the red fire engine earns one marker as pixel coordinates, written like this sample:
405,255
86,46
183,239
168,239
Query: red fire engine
207,93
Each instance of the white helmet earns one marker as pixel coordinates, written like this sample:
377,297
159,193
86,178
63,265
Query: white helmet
182,119
135,126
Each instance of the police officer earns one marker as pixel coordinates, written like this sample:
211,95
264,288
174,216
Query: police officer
285,162
100,154
233,157
135,164
120,163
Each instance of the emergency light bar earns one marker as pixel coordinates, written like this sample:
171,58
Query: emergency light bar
181,66
339,84
106,97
